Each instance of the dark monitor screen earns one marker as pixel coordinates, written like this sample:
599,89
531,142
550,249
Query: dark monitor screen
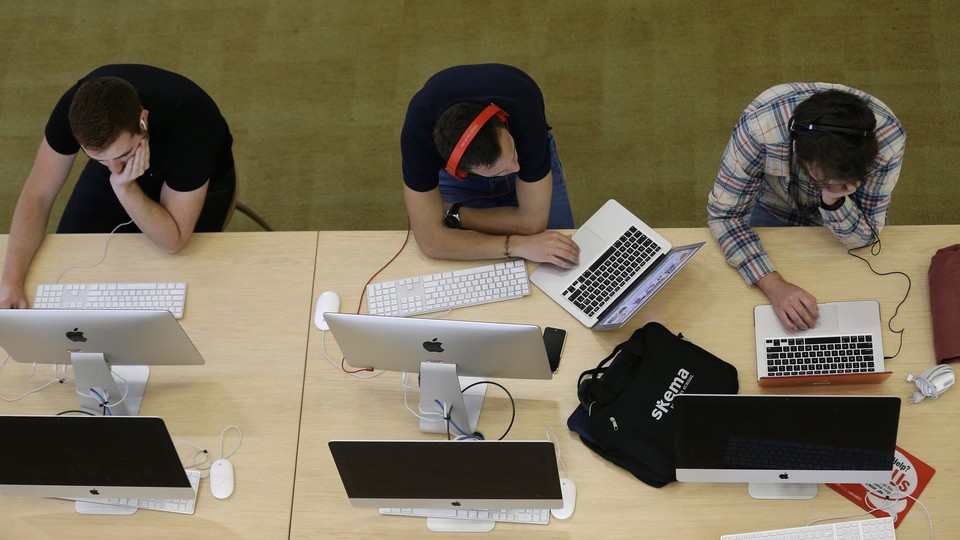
449,474
785,439
90,456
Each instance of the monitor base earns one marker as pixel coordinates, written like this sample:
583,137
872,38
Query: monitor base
89,508
760,490
459,525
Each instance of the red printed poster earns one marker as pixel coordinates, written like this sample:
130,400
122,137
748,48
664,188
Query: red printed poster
910,476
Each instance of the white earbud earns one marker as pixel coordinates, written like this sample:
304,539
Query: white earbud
143,124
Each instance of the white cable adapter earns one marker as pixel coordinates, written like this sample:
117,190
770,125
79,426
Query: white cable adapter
932,382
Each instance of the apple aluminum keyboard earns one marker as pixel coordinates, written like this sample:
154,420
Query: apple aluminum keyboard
864,529
448,290
179,506
163,295
537,516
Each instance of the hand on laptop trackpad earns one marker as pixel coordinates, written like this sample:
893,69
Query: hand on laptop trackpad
828,323
590,244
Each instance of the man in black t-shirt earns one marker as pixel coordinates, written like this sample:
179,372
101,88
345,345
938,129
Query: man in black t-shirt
480,168
160,156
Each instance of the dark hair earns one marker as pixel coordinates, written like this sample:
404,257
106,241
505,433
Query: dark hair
102,110
483,151
842,154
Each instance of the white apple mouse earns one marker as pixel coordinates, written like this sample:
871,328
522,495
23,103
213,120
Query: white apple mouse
221,479
329,301
569,492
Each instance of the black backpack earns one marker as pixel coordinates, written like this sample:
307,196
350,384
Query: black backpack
625,407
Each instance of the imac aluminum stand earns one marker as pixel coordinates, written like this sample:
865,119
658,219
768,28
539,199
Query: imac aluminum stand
760,490
96,509
93,376
439,382
459,525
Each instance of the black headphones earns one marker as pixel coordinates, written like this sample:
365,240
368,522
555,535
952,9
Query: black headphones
826,128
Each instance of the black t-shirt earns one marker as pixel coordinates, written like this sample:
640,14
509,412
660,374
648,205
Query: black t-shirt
509,88
190,141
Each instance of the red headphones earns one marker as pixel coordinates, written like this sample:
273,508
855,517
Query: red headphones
468,135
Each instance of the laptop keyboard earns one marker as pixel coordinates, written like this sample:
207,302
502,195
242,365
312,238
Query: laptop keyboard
821,355
608,274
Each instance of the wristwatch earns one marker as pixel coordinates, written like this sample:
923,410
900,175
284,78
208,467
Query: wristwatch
452,218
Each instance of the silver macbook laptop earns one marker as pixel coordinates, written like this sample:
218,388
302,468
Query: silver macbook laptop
623,263
845,347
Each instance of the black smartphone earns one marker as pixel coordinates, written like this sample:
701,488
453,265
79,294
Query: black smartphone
553,339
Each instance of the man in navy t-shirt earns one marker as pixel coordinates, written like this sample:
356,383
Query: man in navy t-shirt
160,156
504,185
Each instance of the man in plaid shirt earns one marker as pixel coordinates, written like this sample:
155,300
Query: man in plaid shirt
804,154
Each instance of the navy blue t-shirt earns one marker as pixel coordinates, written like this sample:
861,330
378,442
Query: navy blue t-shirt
190,142
509,88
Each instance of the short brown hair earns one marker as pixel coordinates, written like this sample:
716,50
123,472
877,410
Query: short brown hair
103,109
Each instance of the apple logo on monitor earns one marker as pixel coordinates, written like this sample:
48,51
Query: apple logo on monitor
94,491
433,346
455,503
76,335
784,476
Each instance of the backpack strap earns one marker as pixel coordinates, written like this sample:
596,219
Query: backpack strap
594,390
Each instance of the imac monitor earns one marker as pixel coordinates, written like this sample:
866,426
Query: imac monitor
783,446
110,350
90,457
440,351
448,474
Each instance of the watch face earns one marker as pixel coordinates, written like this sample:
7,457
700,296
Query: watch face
452,218
451,221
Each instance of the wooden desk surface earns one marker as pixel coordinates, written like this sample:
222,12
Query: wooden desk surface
248,309
709,303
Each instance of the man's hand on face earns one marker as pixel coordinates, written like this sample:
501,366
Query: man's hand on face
135,166
834,191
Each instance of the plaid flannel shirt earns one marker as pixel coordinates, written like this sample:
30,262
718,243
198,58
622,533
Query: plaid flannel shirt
756,169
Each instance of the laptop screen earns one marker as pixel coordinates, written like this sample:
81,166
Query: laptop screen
619,313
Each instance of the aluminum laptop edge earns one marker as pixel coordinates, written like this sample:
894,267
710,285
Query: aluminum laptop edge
860,317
